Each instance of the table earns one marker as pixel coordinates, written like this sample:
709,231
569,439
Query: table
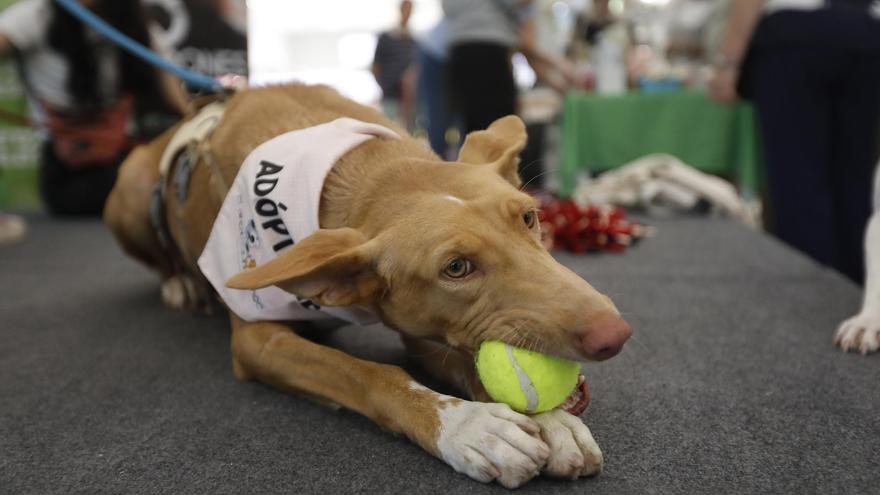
603,132
731,384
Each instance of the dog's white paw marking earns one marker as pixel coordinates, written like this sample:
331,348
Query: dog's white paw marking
573,451
489,442
860,333
179,292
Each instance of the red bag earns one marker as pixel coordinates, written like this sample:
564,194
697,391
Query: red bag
96,139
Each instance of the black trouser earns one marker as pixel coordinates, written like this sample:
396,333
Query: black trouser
79,191
482,83
815,80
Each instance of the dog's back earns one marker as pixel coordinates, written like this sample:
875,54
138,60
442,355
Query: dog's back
169,236
274,110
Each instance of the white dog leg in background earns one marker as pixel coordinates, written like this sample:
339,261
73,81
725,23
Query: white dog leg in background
862,331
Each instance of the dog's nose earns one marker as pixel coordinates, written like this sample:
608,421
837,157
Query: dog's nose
605,338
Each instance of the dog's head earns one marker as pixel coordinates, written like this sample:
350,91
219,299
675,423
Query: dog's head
453,252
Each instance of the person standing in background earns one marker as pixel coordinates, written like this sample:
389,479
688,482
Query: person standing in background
433,82
85,92
395,51
590,24
482,36
812,68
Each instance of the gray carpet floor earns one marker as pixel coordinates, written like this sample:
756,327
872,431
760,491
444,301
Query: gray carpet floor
731,384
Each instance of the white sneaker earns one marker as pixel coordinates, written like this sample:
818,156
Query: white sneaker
12,228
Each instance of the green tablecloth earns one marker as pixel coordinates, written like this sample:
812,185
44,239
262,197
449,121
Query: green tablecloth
604,132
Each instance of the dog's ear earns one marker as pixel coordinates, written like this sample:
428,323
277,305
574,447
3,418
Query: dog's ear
331,267
499,146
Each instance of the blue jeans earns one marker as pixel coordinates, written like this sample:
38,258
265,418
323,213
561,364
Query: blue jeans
434,100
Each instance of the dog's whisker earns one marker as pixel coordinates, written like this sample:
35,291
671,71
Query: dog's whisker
637,341
517,336
505,335
624,353
446,356
525,340
532,345
526,166
533,178
513,330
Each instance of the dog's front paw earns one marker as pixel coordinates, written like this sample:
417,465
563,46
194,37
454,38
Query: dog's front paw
490,442
179,292
861,332
573,451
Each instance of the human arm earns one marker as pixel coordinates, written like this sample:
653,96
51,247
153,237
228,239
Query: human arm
6,47
741,22
554,70
408,93
23,26
374,69
170,87
174,94
377,56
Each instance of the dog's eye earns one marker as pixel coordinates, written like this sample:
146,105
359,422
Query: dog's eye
458,268
529,218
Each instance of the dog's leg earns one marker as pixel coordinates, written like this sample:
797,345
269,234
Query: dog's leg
862,331
447,365
485,441
127,211
573,451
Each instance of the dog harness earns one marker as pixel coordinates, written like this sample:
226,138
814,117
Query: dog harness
272,204
189,146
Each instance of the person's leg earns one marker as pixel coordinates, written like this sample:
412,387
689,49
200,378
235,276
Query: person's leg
391,108
464,59
432,90
855,143
482,79
70,191
788,87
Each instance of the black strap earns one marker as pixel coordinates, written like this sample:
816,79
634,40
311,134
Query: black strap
157,219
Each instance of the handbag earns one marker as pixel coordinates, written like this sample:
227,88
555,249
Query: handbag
91,140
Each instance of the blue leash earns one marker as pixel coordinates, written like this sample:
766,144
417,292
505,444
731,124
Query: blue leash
193,79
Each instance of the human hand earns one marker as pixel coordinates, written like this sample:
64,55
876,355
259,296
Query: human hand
568,71
722,85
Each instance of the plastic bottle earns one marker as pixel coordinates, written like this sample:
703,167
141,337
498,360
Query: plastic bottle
610,66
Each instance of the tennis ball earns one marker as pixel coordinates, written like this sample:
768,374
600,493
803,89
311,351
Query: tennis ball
527,381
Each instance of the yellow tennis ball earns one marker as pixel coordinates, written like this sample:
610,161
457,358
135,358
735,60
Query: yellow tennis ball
527,381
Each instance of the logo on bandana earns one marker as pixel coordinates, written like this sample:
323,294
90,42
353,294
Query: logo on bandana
250,241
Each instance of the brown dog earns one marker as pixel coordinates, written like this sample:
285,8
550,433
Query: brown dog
446,254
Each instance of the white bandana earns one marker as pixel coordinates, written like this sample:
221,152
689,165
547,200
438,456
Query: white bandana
273,204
